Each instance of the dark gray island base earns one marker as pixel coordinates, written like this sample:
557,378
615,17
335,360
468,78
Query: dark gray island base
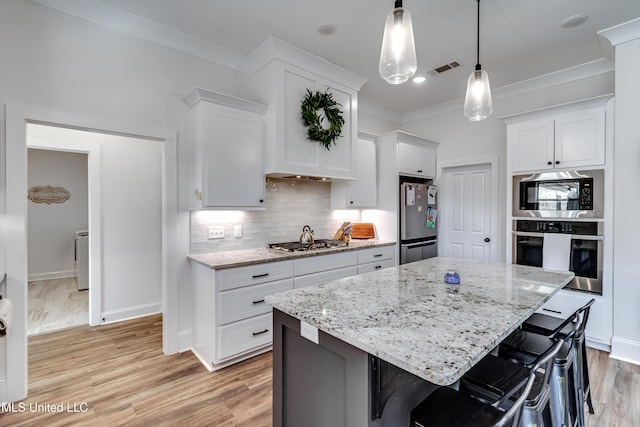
363,351
334,384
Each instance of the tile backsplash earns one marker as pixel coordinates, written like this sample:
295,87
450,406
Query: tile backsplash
290,205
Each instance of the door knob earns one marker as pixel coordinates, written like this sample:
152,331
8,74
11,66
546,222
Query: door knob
487,240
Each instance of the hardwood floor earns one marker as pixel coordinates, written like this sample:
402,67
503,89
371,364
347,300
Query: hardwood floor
117,375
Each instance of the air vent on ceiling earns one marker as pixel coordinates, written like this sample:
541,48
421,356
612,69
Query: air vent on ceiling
441,69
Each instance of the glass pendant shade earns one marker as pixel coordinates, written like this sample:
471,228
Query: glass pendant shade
398,60
477,104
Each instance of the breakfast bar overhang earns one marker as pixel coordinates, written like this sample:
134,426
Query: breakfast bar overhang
364,350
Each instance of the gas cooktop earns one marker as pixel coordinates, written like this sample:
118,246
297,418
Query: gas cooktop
316,245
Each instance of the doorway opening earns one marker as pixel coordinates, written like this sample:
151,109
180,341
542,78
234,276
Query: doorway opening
57,223
113,305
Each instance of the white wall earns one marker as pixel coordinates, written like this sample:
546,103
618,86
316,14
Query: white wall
52,227
132,226
370,123
626,275
56,62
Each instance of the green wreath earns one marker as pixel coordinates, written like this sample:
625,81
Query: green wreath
311,104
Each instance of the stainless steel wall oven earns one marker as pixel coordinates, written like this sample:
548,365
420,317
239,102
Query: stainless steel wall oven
585,249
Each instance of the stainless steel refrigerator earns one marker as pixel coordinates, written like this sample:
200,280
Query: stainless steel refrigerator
418,220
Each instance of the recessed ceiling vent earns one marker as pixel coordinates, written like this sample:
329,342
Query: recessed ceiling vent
441,69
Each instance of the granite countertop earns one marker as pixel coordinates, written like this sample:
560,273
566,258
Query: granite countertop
409,317
244,257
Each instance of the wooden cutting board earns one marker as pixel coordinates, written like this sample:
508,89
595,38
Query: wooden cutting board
363,230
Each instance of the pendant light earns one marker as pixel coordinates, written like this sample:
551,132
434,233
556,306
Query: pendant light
398,54
477,103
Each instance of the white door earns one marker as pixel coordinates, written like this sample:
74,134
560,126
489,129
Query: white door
467,212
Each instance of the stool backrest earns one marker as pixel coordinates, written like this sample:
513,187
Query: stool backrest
542,360
578,317
583,314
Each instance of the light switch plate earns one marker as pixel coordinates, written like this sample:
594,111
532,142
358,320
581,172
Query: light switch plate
237,231
216,232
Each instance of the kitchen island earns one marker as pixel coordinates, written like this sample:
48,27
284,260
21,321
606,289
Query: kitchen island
364,350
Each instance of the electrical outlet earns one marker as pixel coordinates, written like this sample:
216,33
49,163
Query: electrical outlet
237,231
216,232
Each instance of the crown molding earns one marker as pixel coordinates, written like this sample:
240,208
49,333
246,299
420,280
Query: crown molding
198,94
128,23
596,101
621,33
274,48
568,75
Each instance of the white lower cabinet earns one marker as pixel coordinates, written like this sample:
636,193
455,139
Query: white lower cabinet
244,336
246,302
376,259
231,320
599,323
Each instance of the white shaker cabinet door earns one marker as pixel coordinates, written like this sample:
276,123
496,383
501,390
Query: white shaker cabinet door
233,167
532,145
580,139
416,161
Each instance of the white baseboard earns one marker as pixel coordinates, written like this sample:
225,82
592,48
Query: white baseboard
184,341
598,345
130,313
52,275
625,350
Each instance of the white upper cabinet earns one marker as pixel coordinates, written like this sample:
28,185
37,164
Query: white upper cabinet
574,139
416,160
226,144
362,192
279,75
580,139
532,145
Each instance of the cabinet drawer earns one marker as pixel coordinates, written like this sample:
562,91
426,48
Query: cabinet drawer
238,304
325,276
374,266
243,336
376,254
565,303
254,274
319,263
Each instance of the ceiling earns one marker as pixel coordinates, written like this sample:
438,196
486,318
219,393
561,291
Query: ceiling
520,39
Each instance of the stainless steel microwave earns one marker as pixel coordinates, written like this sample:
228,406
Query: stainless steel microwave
559,194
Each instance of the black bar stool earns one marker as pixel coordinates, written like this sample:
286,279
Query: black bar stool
493,375
567,383
543,324
448,407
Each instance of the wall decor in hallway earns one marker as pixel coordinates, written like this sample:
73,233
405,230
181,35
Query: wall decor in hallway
48,194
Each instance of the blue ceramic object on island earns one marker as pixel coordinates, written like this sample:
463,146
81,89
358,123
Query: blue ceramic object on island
452,278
